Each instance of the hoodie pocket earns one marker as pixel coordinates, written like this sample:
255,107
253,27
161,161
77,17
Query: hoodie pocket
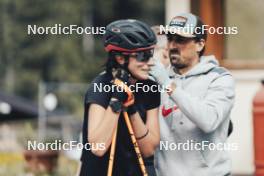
193,155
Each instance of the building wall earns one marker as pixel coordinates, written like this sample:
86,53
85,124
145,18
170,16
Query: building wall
247,84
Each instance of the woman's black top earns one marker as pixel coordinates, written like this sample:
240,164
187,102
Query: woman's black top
125,163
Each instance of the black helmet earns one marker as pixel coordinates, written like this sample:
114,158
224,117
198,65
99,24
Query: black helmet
128,36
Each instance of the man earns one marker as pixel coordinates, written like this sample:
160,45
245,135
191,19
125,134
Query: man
195,111
130,45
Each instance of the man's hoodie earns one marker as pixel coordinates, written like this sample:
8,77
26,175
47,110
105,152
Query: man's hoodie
194,122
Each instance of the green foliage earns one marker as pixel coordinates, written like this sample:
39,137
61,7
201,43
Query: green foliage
49,58
25,60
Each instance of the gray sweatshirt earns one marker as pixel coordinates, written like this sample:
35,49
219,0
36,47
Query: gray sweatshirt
194,122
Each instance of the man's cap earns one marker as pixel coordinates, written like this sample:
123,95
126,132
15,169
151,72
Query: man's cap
187,25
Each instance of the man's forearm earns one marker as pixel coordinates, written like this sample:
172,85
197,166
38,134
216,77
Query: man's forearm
207,114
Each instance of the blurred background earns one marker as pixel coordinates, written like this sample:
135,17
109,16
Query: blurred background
43,78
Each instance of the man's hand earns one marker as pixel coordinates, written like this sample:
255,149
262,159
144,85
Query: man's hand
160,74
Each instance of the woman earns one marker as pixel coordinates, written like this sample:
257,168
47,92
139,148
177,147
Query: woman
129,44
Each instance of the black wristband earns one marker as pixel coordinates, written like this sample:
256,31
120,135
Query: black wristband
116,106
141,137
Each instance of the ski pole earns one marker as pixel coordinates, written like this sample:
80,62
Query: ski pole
134,141
112,154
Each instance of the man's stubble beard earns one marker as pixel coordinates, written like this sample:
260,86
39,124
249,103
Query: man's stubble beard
175,59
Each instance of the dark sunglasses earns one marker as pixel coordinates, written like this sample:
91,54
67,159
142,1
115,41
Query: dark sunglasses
178,39
142,56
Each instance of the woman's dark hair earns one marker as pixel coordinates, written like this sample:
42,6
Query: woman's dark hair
112,63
